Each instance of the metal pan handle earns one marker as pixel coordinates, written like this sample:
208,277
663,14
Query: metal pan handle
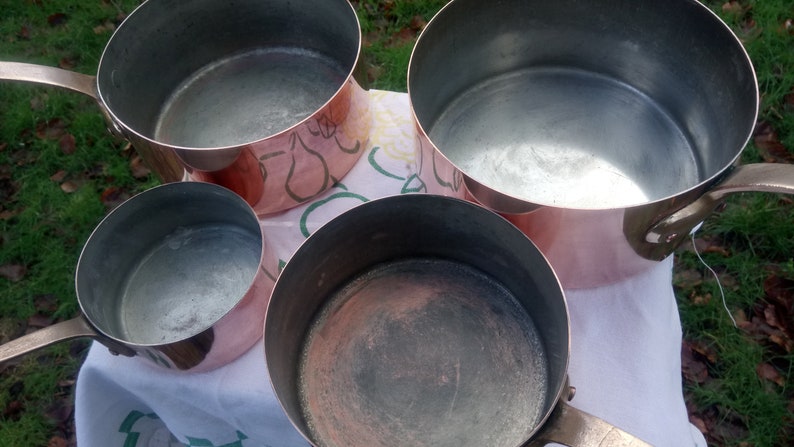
65,330
572,427
42,74
757,177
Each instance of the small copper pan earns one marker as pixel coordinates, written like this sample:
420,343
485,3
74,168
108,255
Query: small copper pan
179,274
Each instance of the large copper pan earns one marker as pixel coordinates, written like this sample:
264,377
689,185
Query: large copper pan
606,130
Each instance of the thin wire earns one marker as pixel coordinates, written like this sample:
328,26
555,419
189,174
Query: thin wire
722,292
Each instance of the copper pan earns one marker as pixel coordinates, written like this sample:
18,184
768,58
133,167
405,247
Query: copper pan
424,320
257,96
606,130
179,274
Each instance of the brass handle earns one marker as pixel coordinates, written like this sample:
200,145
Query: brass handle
758,177
65,330
77,327
572,427
42,74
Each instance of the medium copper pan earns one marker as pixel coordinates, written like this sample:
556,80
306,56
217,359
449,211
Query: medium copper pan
257,96
424,320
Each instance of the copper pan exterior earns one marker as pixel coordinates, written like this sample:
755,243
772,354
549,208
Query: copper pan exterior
259,97
606,131
179,275
424,320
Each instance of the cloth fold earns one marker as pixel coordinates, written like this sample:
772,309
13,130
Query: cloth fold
625,341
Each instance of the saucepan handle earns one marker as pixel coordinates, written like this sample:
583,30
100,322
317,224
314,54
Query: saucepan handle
42,74
572,427
758,177
66,330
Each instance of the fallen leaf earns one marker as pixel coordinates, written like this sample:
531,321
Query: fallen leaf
13,410
66,63
69,186
39,321
687,278
59,176
138,167
67,143
732,7
57,441
698,422
768,372
704,350
700,299
769,146
693,368
106,27
57,19
418,23
24,33
46,303
112,197
13,272
52,129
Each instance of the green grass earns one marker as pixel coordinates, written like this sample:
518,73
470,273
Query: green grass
755,237
43,227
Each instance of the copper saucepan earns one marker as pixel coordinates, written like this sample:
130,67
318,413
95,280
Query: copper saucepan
606,130
424,320
179,274
257,96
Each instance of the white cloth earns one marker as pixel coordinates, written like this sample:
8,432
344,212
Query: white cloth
625,348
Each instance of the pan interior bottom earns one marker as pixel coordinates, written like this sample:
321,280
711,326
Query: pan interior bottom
187,282
566,137
248,97
423,352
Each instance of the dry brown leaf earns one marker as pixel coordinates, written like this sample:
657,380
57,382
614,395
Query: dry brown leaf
732,7
67,143
57,19
67,63
418,23
769,146
57,441
8,214
13,272
69,186
704,350
106,27
138,167
24,33
52,129
768,372
39,321
112,197
59,176
693,368
46,303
